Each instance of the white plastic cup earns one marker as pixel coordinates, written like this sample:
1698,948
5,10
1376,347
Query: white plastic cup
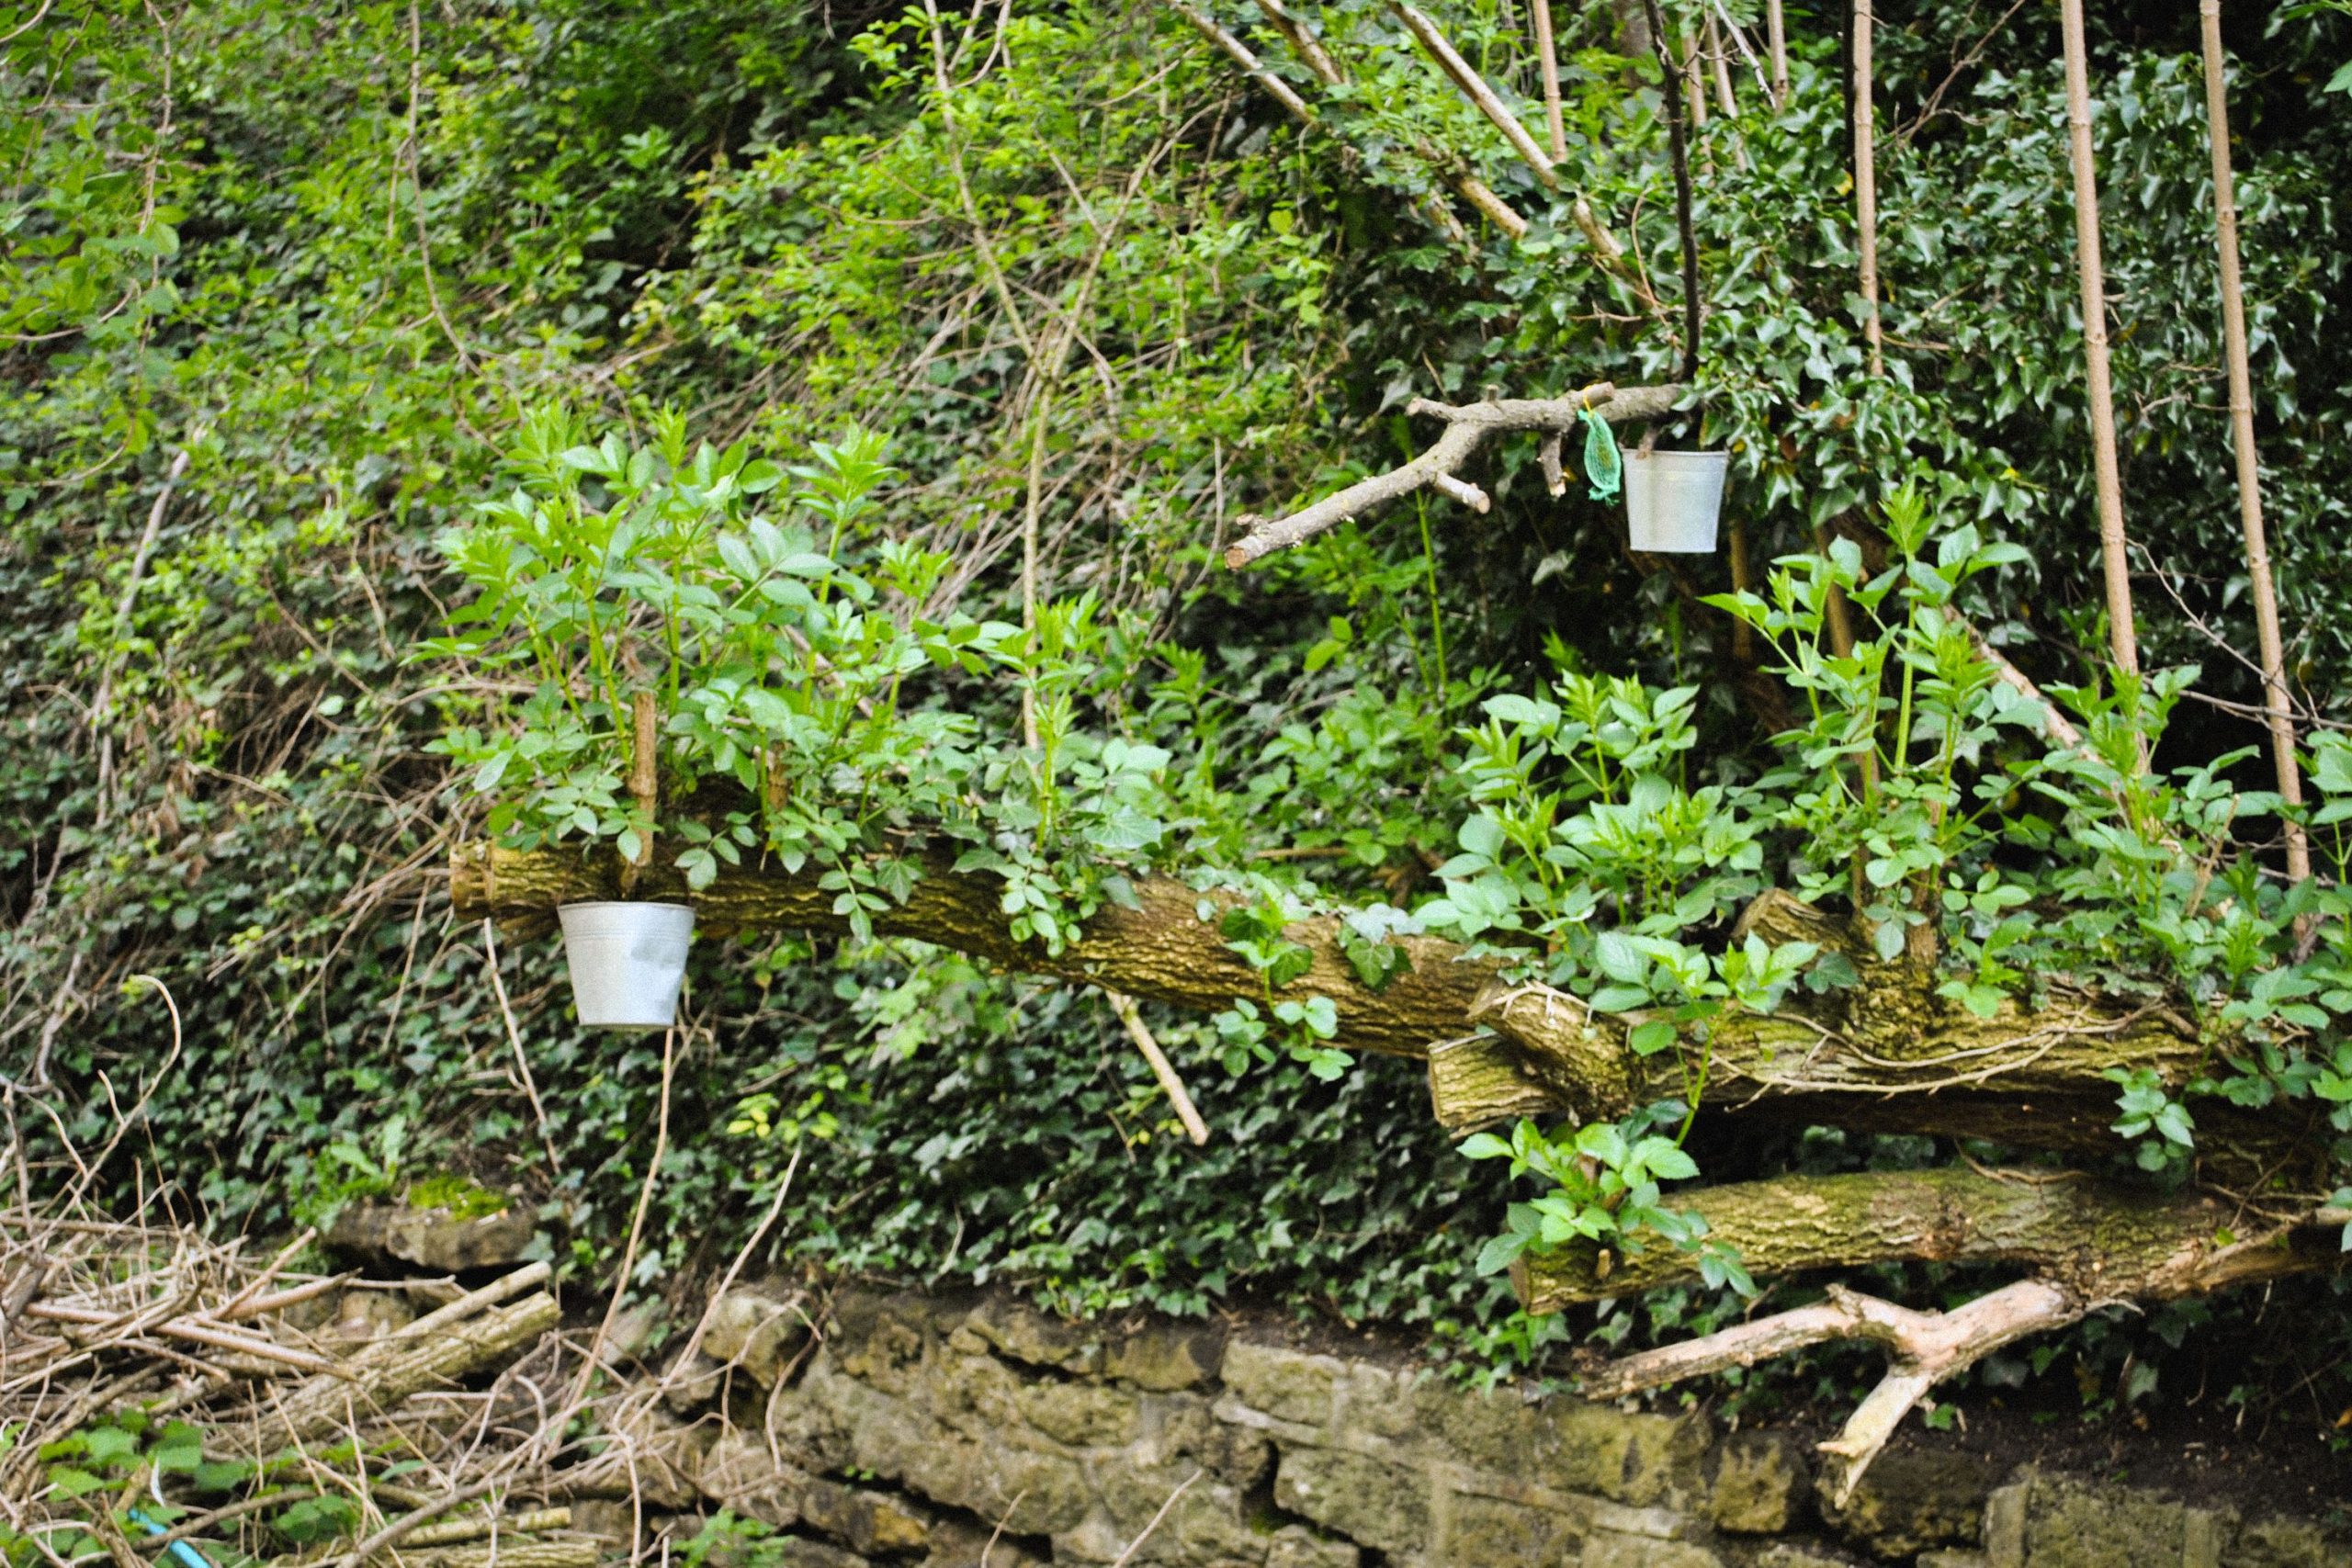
627,961
1673,498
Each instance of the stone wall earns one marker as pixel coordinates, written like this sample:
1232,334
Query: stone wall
949,1434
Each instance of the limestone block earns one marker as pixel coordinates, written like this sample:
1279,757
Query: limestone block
610,1520
1166,1357
691,1383
654,1453
1760,1484
1032,1492
959,1543
1489,1532
1573,1444
805,1419
1950,1560
2284,1543
881,1340
874,1523
434,1239
1026,1335
977,1392
1369,1500
739,1472
1910,1502
2070,1524
1377,1402
1607,1549
1081,1414
1289,1386
1638,1459
1784,1555
1491,1429
1296,1546
2005,1525
800,1552
759,1328
1184,1432
1206,1524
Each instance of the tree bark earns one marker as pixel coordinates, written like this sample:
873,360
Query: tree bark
1161,950
2099,1242
1887,1056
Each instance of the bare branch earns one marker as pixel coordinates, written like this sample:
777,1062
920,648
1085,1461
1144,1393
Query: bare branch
1474,87
1326,70
1306,45
1611,253
1161,1067
1246,58
2061,730
1928,1347
1468,426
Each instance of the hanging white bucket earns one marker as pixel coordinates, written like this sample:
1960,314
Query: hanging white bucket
1672,500
627,961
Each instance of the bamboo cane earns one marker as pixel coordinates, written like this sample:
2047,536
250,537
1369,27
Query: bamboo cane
1866,187
2122,639
2275,702
1547,59
1777,44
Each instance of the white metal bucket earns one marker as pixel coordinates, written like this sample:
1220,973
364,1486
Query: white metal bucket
627,961
1672,500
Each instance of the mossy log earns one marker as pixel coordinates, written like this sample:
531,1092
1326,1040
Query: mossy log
1162,950
2097,1243
1886,1055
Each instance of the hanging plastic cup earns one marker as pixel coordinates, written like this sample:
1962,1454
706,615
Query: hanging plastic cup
628,962
1673,500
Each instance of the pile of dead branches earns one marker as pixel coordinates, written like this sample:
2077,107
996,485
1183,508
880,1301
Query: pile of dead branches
164,1395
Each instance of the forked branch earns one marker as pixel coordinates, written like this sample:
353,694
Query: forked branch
1926,1348
1468,427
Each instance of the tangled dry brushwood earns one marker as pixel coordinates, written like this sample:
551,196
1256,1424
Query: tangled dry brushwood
435,1441
134,1349
167,1395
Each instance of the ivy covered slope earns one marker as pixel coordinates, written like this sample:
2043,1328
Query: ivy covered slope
925,369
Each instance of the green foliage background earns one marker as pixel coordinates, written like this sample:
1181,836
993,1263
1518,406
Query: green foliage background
337,254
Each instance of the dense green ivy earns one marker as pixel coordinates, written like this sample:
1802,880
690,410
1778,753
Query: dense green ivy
340,256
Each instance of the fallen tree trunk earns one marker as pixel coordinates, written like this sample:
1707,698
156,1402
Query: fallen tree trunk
1886,1055
2099,1243
2085,1246
1161,950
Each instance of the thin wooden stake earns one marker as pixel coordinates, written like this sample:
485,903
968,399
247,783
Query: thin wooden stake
1776,35
2122,638
1547,59
1719,62
1161,1069
1677,148
644,783
2275,702
1866,187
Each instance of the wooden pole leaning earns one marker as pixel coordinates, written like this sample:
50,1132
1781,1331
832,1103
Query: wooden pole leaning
2123,640
2278,710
